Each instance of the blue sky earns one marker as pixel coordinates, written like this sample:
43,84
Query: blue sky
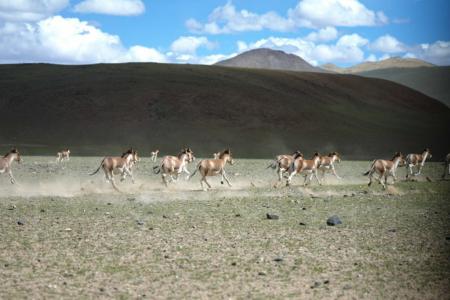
344,32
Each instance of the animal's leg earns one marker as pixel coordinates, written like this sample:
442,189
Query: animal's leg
201,182
315,175
382,174
370,177
334,172
187,172
11,177
288,181
224,175
420,170
164,179
130,173
305,182
207,183
410,166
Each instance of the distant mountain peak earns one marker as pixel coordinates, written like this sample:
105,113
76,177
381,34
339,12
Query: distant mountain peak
265,58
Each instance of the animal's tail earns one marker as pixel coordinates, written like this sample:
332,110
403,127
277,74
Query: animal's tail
157,169
272,165
195,171
98,169
370,169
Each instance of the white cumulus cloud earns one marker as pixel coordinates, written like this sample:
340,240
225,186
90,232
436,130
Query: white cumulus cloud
190,44
111,7
29,10
69,41
387,44
323,35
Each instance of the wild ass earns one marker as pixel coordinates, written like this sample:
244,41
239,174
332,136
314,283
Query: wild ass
413,160
308,166
327,163
63,155
154,155
6,163
118,165
447,166
385,168
283,162
213,167
174,165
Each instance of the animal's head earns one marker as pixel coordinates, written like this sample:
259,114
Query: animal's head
128,152
190,154
335,155
135,157
16,154
316,155
399,156
226,154
297,154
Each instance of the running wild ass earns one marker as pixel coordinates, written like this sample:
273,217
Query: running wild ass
327,163
6,163
308,166
154,155
213,167
63,155
118,165
385,168
413,160
282,163
447,166
175,165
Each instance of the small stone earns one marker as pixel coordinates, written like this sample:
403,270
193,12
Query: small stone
20,222
237,215
315,285
42,210
139,222
278,259
326,281
272,216
109,203
333,221
347,287
68,229
392,230
101,289
303,208
233,263
261,273
131,199
303,224
12,207
165,217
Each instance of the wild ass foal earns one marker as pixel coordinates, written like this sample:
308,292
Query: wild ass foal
327,163
385,168
413,160
6,163
174,165
308,166
213,167
63,155
118,165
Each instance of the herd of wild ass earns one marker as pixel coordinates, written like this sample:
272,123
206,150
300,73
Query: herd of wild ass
286,165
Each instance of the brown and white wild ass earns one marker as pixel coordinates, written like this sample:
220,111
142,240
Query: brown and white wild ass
283,162
327,163
385,168
447,166
154,155
63,155
118,165
413,160
308,166
6,163
213,167
175,165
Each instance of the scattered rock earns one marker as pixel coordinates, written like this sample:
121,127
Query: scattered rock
165,217
42,210
261,273
139,222
333,221
315,285
68,229
392,230
237,215
301,223
278,259
109,203
20,222
326,281
347,287
233,263
303,208
131,199
12,207
101,289
345,196
272,216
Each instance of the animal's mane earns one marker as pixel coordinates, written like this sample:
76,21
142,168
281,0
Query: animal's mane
222,154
